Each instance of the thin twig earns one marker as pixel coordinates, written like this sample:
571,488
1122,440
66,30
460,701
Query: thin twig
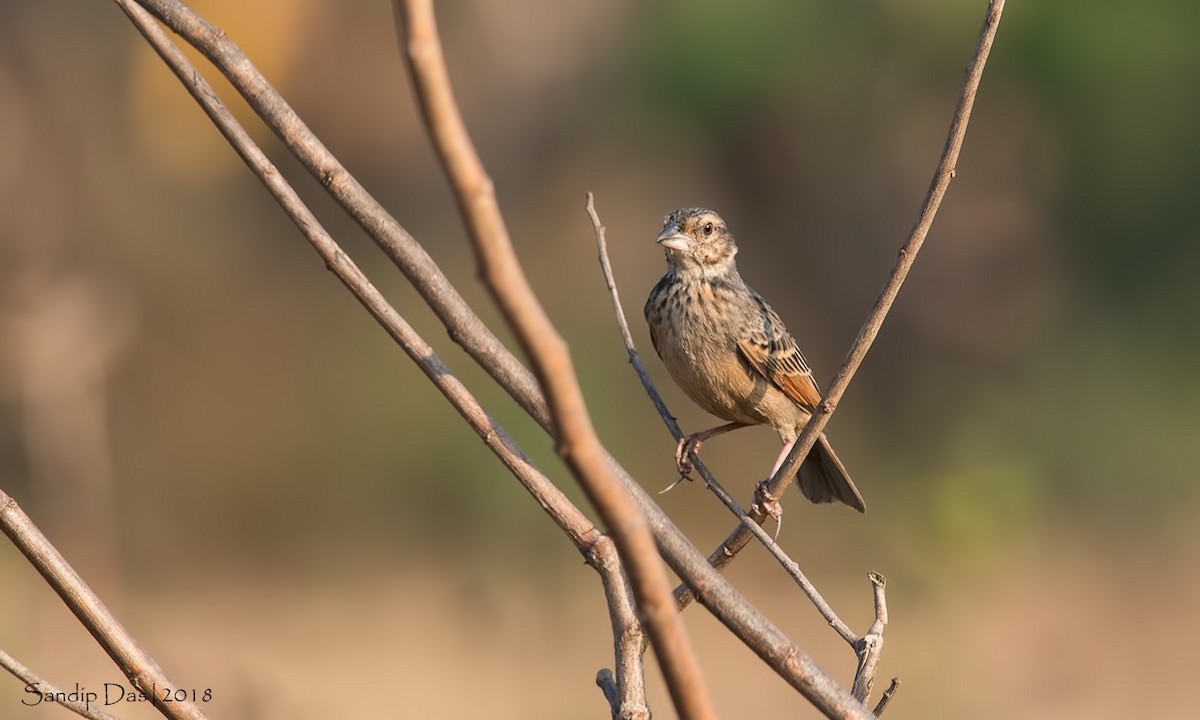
48,692
134,662
481,344
908,254
721,556
607,682
870,646
886,698
574,434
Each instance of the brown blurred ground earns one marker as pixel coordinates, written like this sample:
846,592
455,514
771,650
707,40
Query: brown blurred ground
210,428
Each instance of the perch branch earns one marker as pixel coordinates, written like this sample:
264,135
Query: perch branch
134,662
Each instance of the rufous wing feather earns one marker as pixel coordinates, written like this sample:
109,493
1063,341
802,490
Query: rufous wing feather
772,352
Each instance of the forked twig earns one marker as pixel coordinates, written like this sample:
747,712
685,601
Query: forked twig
870,646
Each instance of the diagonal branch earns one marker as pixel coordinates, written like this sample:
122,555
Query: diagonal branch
574,434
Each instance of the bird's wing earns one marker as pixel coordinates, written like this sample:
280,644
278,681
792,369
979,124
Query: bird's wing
771,351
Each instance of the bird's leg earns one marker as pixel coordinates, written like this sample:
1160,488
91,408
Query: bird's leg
764,501
689,444
787,448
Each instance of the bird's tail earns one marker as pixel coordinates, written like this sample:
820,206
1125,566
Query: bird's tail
824,479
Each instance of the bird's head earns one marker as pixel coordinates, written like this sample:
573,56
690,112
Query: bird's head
696,240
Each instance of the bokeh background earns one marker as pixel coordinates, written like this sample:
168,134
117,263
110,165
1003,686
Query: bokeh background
278,505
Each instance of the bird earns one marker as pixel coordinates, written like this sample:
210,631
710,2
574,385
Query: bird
729,351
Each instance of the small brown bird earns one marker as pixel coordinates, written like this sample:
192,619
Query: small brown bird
729,351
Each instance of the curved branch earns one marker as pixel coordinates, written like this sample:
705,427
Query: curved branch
908,254
573,431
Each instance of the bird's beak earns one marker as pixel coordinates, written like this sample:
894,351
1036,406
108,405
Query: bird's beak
675,240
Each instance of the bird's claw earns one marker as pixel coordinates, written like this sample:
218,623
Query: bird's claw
767,504
671,487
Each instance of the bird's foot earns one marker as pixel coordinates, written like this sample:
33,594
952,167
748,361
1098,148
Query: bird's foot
688,444
766,503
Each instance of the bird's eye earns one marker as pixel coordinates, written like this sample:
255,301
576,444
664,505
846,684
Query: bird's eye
708,228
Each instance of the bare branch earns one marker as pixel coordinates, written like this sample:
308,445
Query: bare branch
870,646
50,692
134,662
574,434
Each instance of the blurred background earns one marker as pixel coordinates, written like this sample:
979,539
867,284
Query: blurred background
280,507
